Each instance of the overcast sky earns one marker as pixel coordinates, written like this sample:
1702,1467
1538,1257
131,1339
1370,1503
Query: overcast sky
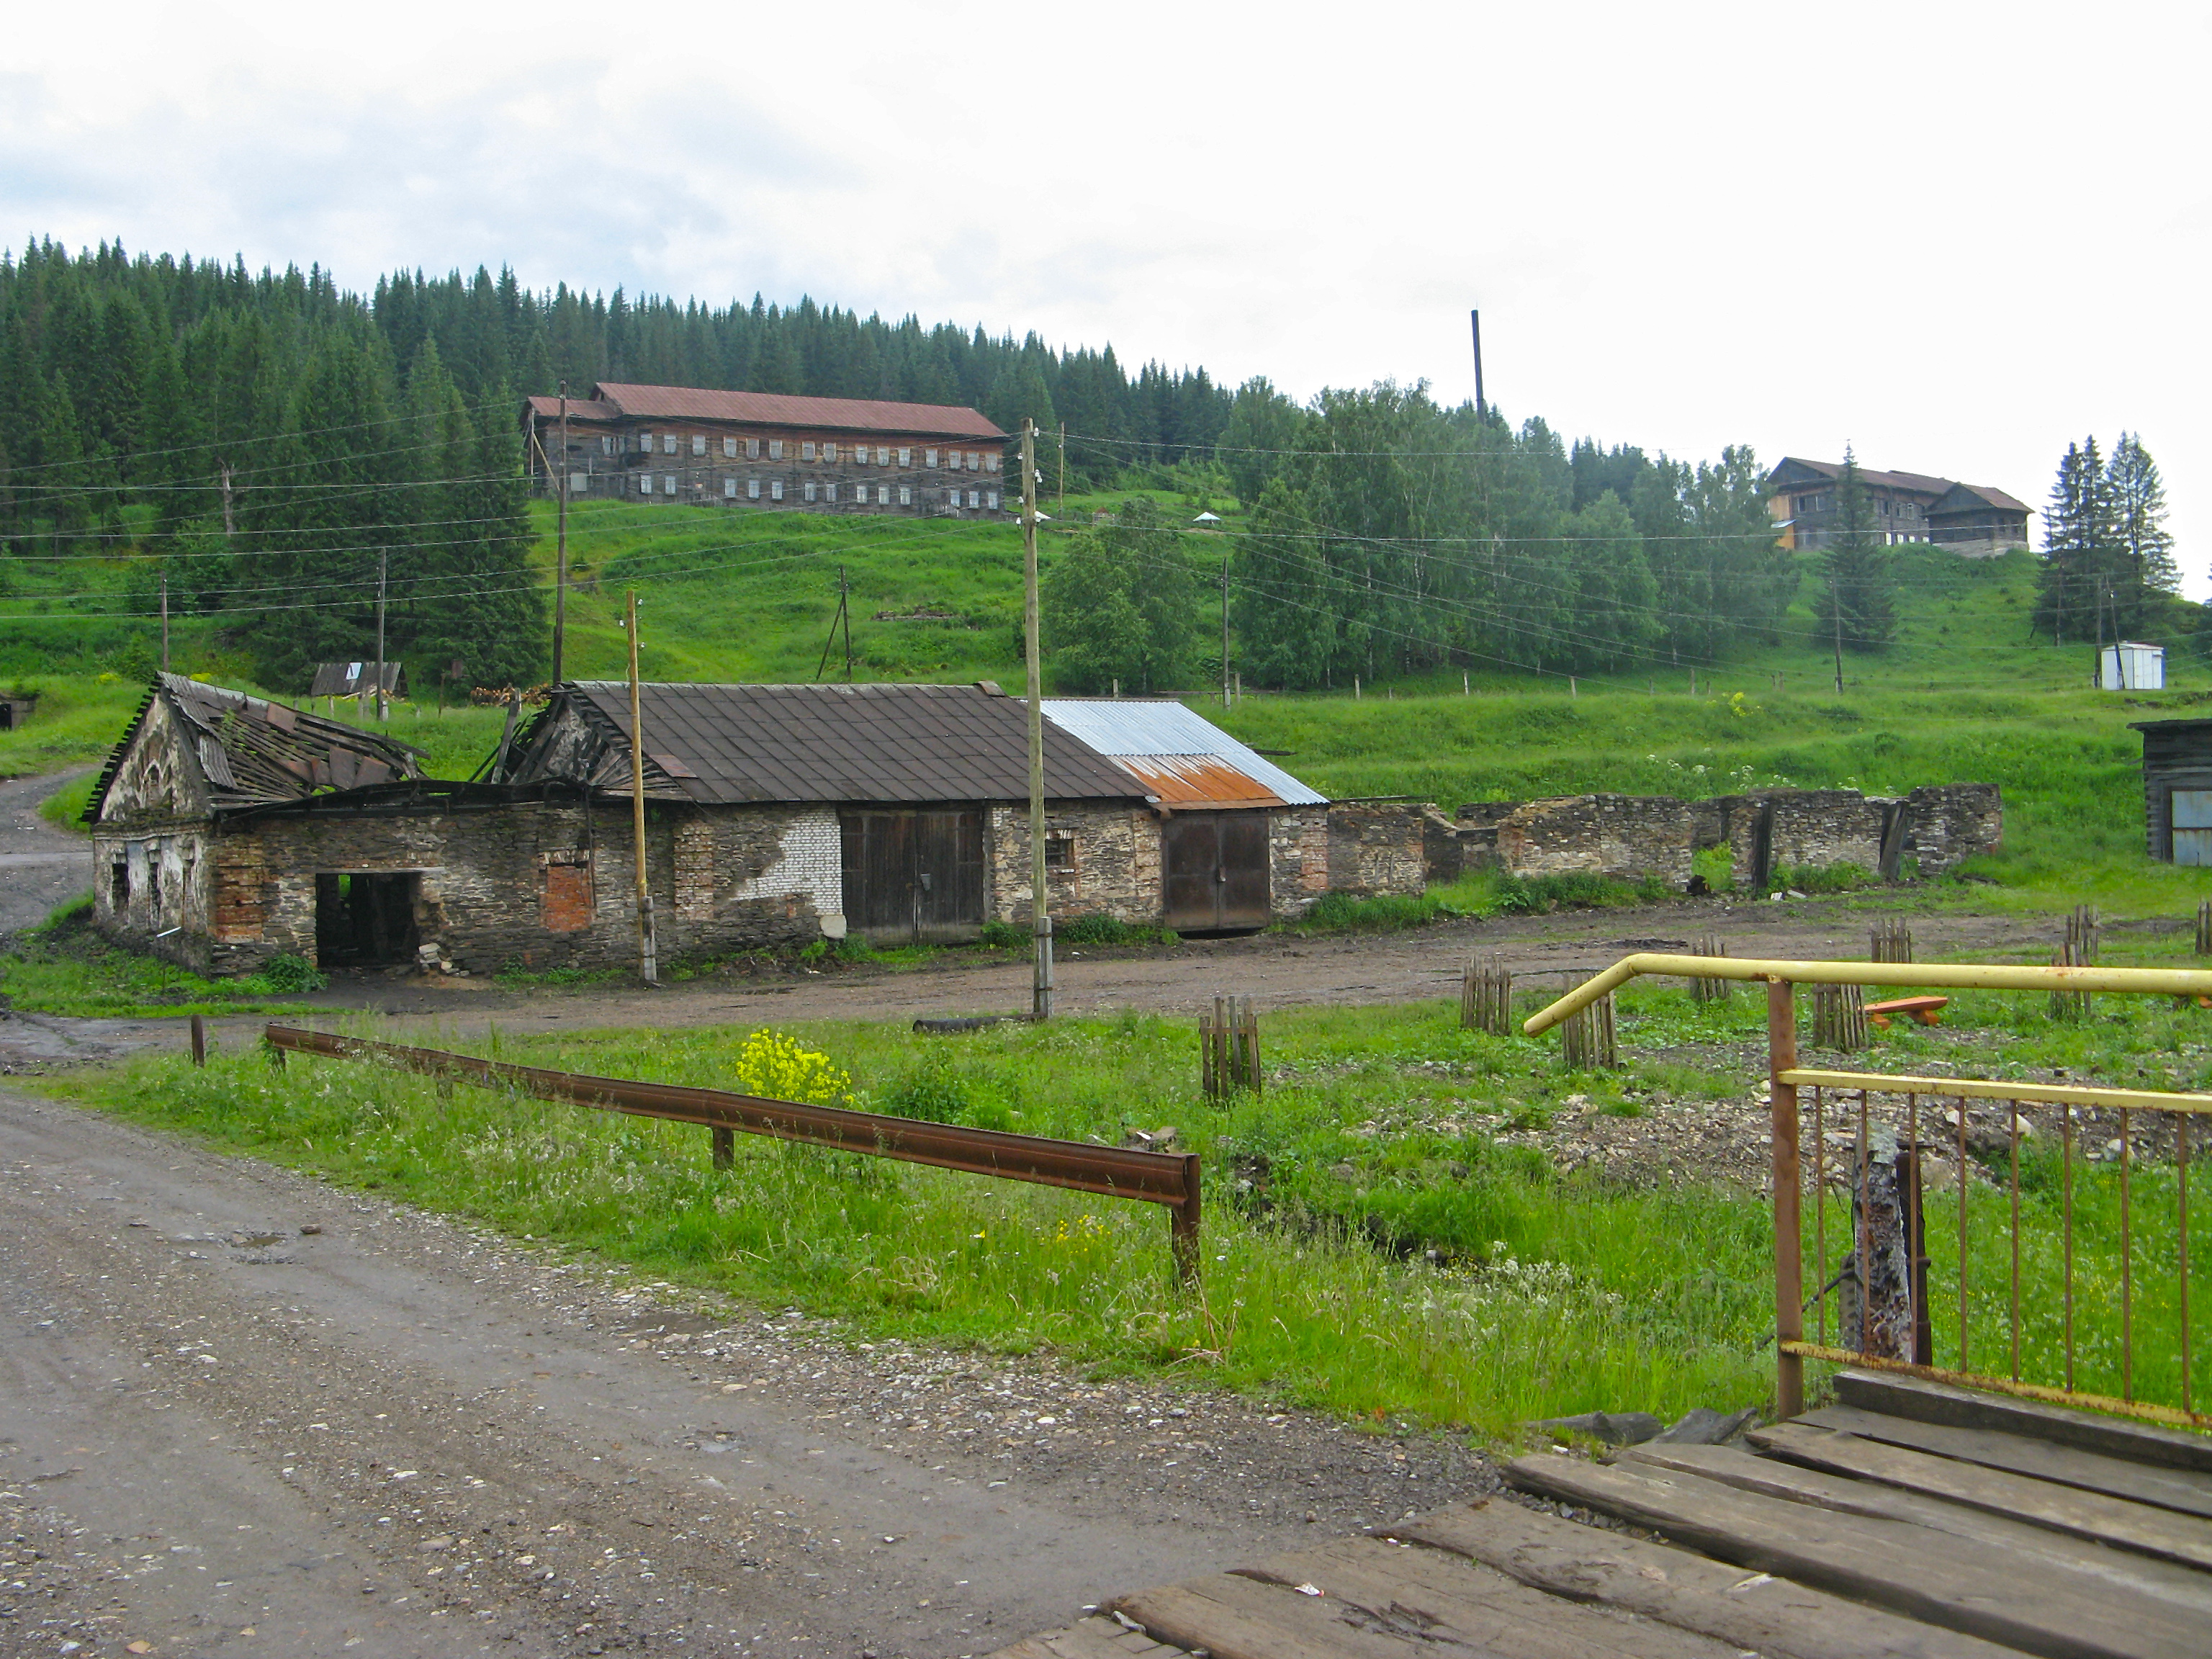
1956,236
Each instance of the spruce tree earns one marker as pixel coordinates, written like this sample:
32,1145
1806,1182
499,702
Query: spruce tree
2082,559
2145,545
1857,608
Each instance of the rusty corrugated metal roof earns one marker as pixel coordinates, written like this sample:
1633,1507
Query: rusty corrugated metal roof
1192,782
1189,759
685,402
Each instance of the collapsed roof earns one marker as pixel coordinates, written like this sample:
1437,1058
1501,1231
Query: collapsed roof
251,752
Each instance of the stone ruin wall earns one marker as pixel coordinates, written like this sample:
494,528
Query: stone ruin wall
1630,837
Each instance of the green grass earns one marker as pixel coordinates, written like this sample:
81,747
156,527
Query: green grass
1964,697
1370,1248
62,967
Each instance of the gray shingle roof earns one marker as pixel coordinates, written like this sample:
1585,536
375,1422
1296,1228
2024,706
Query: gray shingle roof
848,743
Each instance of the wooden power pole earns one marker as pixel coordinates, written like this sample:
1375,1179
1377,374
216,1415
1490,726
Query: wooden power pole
383,570
1224,631
165,622
1040,911
648,965
560,544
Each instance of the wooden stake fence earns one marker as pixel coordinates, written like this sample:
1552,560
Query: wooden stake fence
1586,1040
1485,995
1228,1048
1891,941
1840,1018
2079,950
1702,989
2204,927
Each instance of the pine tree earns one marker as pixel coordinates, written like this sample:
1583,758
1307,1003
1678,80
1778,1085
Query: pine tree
1857,608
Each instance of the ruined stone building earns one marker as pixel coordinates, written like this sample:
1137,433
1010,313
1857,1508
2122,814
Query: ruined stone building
230,830
1631,837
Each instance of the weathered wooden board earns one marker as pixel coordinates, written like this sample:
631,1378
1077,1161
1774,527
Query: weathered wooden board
1093,1638
1377,1601
2036,1547
2093,1515
2069,1466
1966,1408
1941,1580
1756,1611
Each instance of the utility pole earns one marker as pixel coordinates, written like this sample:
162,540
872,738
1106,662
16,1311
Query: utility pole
1224,631
1474,319
1835,598
229,520
648,964
165,622
1063,469
560,544
842,616
383,569
1040,910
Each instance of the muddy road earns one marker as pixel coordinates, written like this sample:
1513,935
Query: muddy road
241,1412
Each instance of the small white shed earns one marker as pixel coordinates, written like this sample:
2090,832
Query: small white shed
2131,665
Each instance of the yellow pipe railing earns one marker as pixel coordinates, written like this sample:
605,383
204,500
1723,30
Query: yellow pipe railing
1961,976
1957,1088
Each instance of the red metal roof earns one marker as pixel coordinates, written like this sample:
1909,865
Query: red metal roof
685,402
1196,782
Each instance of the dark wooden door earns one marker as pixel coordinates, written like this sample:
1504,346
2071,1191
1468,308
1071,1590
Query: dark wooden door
913,875
1214,872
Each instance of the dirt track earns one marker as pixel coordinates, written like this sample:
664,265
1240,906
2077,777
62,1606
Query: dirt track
396,1436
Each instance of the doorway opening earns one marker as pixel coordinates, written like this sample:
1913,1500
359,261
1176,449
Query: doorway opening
365,919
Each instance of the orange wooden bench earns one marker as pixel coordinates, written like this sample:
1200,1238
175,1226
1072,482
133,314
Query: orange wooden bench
1927,1009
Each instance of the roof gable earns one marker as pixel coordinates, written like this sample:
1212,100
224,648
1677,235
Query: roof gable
1970,498
247,751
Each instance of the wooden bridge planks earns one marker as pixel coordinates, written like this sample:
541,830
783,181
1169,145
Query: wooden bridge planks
2182,1490
1913,1397
1773,1617
2091,1515
1958,1583
1379,1601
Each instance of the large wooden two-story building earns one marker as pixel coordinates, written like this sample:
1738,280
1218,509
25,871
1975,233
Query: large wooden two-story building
1973,521
671,444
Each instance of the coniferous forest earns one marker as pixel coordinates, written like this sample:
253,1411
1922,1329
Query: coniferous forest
272,450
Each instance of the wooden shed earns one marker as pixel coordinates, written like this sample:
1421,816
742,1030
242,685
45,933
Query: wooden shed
2177,771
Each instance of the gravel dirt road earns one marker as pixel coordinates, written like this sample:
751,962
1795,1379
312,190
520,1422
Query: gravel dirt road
241,1411
40,866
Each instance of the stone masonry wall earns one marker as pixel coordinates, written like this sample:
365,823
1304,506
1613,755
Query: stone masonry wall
1297,858
1632,837
1377,848
1115,868
534,885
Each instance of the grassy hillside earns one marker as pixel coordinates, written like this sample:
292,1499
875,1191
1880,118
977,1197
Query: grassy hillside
1963,696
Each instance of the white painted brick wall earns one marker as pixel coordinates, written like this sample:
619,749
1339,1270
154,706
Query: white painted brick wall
813,863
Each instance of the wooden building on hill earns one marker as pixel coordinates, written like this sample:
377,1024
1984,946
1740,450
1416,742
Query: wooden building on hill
1972,521
667,444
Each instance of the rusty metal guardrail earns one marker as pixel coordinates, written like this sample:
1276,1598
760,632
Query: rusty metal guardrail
1171,1179
1786,1078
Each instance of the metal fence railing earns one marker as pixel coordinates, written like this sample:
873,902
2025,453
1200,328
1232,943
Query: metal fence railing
1888,1318
1171,1179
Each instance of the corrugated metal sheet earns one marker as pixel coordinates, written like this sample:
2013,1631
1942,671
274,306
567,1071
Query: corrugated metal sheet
1188,781
1151,734
844,742
684,402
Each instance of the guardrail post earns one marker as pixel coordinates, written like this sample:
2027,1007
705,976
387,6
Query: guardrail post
199,1041
725,1146
1789,1246
1183,1215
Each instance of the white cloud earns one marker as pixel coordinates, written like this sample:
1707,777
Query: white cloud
1956,236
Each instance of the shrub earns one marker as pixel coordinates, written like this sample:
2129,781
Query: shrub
1844,878
1003,936
286,974
931,1090
1716,867
776,1066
